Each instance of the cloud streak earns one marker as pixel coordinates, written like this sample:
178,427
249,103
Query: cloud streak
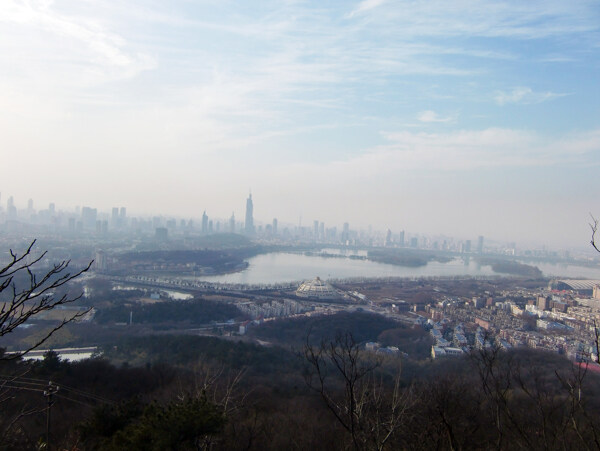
364,6
465,150
432,116
525,96
103,54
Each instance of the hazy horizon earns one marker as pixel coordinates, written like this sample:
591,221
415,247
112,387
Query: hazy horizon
462,118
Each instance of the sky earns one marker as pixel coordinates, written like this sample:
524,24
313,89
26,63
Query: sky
462,118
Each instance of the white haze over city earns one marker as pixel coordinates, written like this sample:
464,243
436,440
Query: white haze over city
462,118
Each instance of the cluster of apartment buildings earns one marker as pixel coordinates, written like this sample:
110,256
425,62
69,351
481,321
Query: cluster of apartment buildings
273,308
564,321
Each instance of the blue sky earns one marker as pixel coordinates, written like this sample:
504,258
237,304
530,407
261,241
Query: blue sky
466,117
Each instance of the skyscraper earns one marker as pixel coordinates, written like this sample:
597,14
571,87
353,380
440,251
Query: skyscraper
467,247
249,227
204,222
88,217
232,223
274,226
388,238
346,233
11,210
114,218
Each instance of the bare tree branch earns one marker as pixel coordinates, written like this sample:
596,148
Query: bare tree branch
26,292
594,227
346,379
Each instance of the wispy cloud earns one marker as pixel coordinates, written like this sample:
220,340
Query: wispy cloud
365,6
464,150
524,20
432,116
103,54
524,95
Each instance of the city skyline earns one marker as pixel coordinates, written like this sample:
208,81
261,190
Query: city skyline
117,219
465,118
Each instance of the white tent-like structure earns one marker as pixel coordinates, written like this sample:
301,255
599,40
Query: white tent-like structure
316,289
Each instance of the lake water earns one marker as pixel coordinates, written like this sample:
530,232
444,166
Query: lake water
279,267
70,356
572,271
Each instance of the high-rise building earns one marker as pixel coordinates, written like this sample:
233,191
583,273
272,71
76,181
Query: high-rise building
316,229
122,217
232,223
388,238
543,302
114,218
346,233
466,248
52,208
88,217
401,239
480,245
274,226
204,222
161,234
11,210
249,226
100,262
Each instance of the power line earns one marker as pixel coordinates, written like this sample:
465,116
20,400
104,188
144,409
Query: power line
80,392
39,390
41,383
12,376
16,381
74,400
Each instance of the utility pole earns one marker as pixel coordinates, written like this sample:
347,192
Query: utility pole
48,393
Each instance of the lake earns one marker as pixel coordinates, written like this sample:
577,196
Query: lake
281,267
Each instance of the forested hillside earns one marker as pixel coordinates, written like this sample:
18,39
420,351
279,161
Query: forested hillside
192,392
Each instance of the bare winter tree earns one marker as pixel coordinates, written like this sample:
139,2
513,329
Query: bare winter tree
26,292
596,330
369,410
594,228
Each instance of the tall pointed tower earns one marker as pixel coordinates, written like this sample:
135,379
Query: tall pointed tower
249,226
204,222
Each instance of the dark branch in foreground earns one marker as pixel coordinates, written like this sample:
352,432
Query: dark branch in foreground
21,303
594,227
